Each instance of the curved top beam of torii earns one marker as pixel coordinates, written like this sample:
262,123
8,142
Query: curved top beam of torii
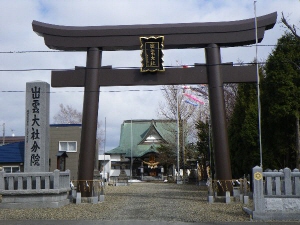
176,36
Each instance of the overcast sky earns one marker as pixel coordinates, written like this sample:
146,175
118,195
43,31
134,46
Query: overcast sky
16,35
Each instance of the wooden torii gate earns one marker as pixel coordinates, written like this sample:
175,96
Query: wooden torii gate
96,39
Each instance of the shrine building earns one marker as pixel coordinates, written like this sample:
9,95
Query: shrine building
138,148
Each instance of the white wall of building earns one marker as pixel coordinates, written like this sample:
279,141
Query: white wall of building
106,162
115,158
116,172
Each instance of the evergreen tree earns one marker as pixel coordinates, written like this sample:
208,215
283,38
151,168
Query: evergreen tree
204,148
167,157
243,131
280,104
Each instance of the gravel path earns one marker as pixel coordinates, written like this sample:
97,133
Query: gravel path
141,201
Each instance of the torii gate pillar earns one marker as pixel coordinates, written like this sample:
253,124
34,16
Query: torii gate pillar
89,121
217,113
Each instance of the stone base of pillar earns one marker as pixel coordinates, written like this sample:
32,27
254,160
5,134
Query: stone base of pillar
246,200
224,199
101,198
93,200
210,199
78,198
179,180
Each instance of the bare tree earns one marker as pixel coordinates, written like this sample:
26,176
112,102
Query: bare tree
69,115
230,94
173,101
188,114
289,26
175,107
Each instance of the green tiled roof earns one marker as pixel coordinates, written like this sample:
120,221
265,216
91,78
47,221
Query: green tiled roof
141,129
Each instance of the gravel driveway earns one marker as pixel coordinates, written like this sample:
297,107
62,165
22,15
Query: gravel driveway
141,201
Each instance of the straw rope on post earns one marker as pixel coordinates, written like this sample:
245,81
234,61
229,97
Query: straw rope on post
227,185
93,186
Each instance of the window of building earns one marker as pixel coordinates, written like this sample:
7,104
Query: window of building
11,169
68,146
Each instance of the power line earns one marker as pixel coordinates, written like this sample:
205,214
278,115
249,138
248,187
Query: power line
118,67
196,89
111,91
137,67
31,51
66,51
35,69
192,88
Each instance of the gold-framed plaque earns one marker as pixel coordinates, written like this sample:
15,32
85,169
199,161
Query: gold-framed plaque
152,54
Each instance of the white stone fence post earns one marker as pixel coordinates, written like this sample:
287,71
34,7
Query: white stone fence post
258,190
276,194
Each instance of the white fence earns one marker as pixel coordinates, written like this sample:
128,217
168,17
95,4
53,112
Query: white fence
34,189
276,194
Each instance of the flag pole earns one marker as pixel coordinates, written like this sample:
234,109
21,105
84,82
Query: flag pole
258,88
131,152
105,178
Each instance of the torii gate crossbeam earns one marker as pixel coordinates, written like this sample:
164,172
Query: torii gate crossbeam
211,36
